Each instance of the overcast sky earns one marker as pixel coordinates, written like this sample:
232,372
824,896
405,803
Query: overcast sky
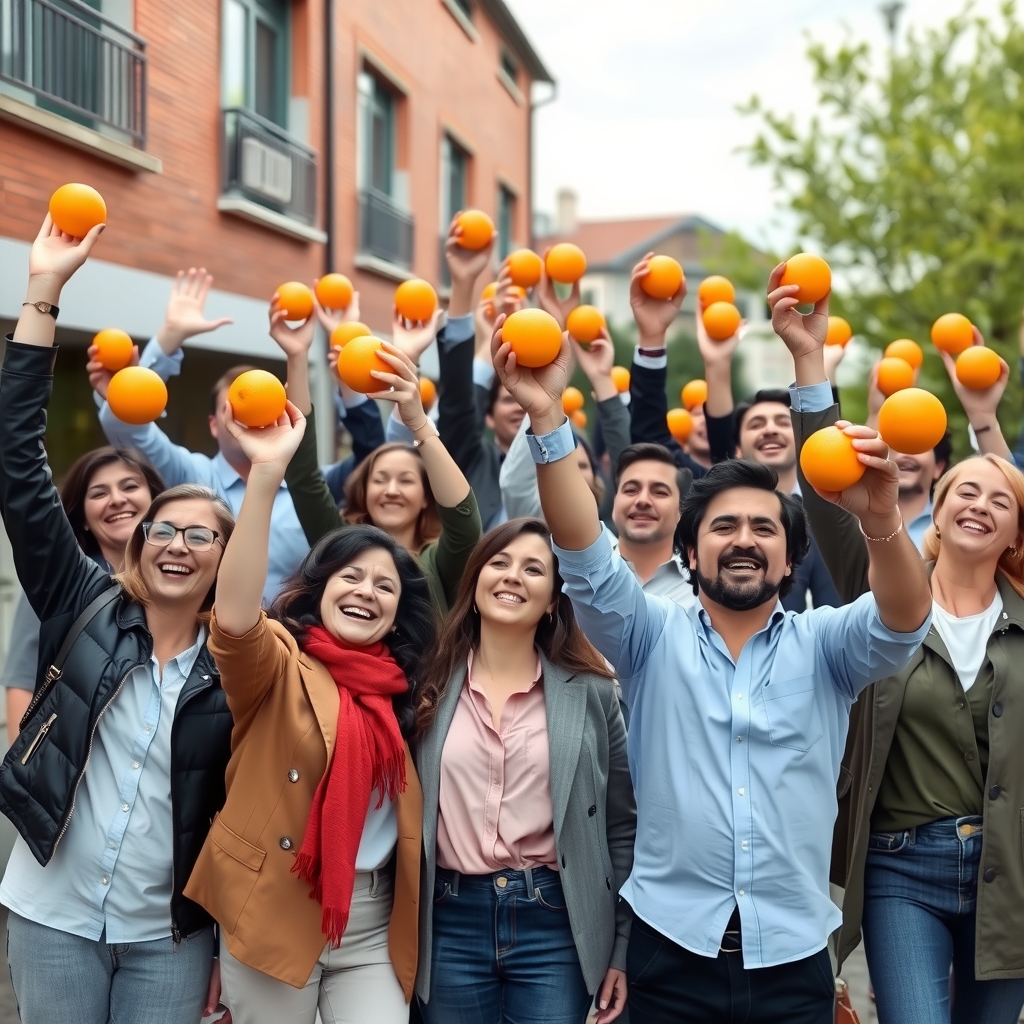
645,120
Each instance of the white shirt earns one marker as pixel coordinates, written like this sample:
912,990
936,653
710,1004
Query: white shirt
966,637
671,579
380,834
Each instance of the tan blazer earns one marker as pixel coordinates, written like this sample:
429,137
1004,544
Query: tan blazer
285,706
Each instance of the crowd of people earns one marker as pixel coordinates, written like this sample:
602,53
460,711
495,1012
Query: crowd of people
495,722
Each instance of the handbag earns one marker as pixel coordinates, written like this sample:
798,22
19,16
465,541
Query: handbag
845,1013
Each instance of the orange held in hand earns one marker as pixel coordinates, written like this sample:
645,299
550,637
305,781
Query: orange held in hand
334,291
715,289
952,333
912,421
572,401
524,267
585,323
565,263
721,320
428,393
344,333
76,209
694,393
257,398
663,278
894,375
811,273
579,419
680,424
296,299
829,460
357,359
839,331
115,348
978,367
415,300
620,378
534,335
477,229
907,350
136,395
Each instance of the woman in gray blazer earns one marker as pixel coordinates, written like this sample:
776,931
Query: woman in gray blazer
528,809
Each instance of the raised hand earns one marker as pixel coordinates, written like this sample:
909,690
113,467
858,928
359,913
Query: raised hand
833,356
465,265
715,353
803,333
538,391
184,317
330,319
293,341
413,338
270,448
596,362
401,386
99,375
980,405
547,297
55,256
653,316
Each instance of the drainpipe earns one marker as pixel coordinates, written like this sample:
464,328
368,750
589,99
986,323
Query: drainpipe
534,107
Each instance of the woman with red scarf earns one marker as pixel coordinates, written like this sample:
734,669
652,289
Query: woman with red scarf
312,867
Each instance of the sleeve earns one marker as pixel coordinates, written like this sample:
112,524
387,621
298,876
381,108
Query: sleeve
314,504
613,421
336,474
457,406
649,407
460,531
57,576
518,478
397,431
154,358
364,424
721,437
22,665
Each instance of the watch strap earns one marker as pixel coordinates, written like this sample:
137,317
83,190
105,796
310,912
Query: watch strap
44,307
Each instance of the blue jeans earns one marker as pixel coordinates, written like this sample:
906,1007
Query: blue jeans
502,953
920,899
60,978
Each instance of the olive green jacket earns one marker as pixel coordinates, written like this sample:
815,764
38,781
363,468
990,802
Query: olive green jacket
999,947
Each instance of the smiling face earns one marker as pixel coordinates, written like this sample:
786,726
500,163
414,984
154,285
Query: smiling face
646,508
978,517
395,495
515,587
115,501
505,418
741,560
766,435
360,600
917,472
697,443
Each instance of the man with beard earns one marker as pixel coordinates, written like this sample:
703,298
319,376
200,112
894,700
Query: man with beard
739,712
918,476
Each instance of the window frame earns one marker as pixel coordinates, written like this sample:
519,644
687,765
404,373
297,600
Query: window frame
277,16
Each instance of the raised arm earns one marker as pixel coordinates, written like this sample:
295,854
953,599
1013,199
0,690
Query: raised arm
719,407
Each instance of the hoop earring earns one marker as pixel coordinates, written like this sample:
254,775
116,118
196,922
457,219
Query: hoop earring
551,618
476,611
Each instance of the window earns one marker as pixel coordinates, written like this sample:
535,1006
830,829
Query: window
506,220
254,66
510,65
454,174
377,117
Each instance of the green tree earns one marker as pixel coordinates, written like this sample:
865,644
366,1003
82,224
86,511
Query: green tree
909,181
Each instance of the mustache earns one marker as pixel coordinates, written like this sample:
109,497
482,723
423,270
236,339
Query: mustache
746,553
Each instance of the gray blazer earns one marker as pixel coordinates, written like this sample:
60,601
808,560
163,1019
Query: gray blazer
594,815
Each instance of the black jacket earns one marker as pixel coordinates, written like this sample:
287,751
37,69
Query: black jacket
59,581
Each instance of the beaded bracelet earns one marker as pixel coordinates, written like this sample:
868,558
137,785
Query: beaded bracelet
881,540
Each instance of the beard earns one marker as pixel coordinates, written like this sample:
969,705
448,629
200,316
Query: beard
739,597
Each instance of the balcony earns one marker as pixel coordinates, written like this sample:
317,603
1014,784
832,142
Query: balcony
385,231
68,59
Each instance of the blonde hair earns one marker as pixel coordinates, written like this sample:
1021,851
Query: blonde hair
1011,561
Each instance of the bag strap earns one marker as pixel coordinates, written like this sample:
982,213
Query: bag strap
53,673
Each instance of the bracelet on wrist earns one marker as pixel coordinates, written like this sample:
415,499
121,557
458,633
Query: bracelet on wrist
881,540
981,430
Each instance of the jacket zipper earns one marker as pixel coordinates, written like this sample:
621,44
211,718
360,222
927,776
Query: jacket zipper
40,736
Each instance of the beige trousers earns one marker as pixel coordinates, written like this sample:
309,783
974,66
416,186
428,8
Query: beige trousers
353,984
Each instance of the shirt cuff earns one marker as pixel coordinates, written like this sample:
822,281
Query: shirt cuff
650,362
552,447
811,398
154,358
458,330
351,399
483,373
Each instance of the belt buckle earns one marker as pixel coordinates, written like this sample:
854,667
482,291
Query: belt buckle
732,942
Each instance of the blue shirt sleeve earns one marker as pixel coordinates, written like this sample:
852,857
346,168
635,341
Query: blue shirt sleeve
457,330
812,398
164,366
559,444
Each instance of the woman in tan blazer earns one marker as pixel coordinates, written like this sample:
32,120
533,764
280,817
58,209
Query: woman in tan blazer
312,867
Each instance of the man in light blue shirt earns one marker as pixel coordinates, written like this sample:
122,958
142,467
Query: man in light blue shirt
739,711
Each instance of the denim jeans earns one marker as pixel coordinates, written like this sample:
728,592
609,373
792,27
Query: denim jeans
502,953
60,978
920,898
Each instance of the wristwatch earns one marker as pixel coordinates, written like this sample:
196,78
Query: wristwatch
45,307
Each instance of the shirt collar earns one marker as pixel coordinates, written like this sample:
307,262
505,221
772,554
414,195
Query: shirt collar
228,475
706,628
185,661
538,673
676,560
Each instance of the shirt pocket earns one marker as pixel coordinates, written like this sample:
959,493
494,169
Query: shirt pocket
791,707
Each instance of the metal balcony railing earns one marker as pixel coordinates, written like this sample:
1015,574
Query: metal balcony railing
262,162
76,62
385,230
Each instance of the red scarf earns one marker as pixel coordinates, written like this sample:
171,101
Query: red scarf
369,753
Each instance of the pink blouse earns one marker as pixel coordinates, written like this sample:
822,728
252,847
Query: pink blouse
495,798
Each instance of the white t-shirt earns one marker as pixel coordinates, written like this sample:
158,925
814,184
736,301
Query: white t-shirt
966,638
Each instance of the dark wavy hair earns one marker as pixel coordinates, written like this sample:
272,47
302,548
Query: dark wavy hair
559,637
297,606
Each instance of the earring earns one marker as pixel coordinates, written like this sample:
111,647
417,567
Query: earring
938,535
476,611
551,618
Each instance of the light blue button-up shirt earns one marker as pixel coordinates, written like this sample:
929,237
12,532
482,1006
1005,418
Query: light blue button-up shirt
177,465
111,874
734,763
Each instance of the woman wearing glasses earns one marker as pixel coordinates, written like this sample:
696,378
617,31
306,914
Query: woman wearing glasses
99,928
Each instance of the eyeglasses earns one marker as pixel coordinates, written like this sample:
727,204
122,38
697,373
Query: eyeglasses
197,538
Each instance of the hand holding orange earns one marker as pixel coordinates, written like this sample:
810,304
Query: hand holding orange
76,209
534,335
829,461
585,324
358,359
477,229
415,300
715,289
952,333
620,378
907,350
839,331
811,273
565,263
296,299
572,400
663,278
524,267
334,291
344,333
257,399
912,421
136,395
721,320
694,393
894,375
680,424
114,348
978,367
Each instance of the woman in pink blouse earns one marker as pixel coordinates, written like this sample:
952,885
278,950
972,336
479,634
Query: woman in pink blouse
528,807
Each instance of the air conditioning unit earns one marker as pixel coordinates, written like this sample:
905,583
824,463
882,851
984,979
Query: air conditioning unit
266,171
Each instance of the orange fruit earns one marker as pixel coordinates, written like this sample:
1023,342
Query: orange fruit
76,209
115,348
334,291
296,299
357,359
257,398
136,395
978,367
829,460
620,378
813,275
524,267
721,320
489,290
572,401
715,289
534,335
565,263
477,229
344,333
912,421
680,424
428,393
839,331
584,323
663,278
416,300
894,375
579,419
907,350
693,394
952,333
